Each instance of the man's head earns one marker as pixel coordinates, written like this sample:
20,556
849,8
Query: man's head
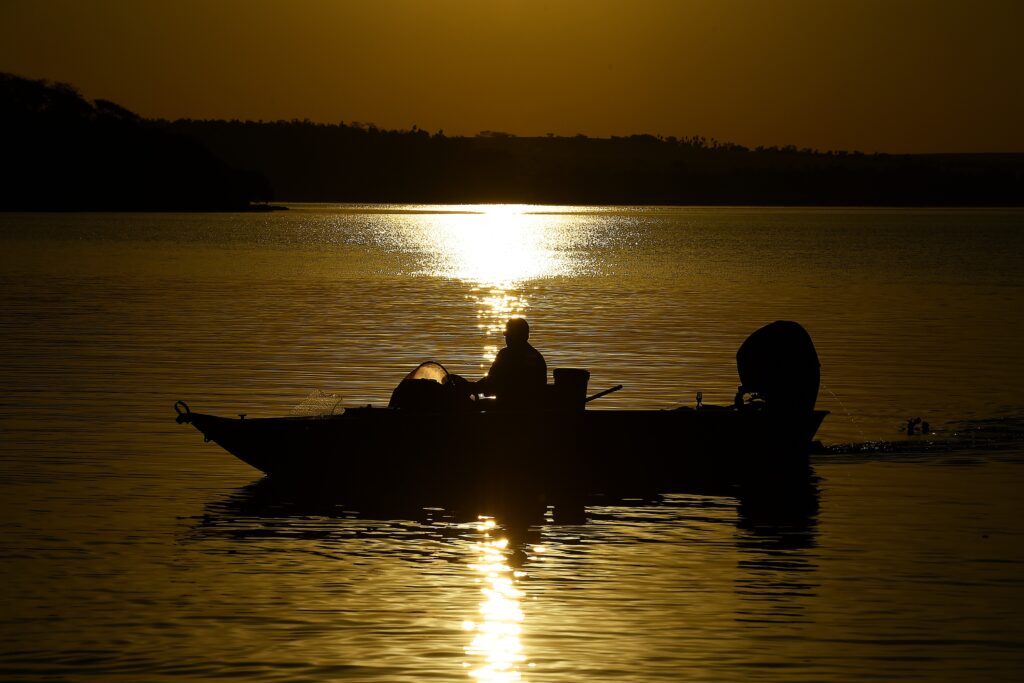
517,331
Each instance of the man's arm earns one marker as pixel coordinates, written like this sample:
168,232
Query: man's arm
489,383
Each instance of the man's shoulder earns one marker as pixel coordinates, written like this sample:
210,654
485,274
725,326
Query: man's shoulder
525,352
534,355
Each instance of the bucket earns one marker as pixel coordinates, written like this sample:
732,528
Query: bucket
571,387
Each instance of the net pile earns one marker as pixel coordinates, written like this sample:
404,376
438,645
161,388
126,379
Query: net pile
318,403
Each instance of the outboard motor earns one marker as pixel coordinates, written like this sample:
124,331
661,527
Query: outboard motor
778,364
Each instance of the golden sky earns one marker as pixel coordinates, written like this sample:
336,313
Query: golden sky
873,75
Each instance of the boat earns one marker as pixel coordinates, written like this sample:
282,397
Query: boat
428,440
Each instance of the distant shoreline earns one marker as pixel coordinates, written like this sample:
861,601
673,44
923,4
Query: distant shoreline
312,162
273,208
254,208
64,153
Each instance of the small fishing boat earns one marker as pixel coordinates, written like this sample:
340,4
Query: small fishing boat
428,440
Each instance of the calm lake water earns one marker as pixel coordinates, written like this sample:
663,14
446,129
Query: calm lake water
131,550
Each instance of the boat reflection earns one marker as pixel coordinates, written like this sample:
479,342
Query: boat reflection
769,524
266,501
773,511
336,528
777,527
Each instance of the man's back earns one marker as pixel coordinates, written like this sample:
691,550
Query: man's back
518,375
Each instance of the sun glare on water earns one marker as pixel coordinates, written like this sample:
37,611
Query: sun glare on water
498,249
495,647
502,245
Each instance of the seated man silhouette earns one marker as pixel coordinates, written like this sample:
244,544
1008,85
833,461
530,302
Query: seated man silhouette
518,375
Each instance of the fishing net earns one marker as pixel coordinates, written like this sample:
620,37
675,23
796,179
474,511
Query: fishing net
318,403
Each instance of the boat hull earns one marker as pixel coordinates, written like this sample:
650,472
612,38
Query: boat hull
552,453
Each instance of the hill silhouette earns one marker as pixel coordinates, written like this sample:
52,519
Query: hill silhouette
63,152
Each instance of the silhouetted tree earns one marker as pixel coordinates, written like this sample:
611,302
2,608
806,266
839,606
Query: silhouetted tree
62,152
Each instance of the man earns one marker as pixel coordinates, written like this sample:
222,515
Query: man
518,375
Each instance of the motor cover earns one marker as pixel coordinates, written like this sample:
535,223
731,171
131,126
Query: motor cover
779,363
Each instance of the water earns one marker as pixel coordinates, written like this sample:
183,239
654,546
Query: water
132,550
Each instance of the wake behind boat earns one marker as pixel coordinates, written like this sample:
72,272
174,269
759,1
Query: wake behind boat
432,440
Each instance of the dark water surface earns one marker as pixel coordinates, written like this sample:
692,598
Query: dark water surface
131,550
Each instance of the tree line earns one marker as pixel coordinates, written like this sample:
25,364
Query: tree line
67,153
354,162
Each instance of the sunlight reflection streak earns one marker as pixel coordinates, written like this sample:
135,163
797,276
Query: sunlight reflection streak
497,251
495,644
